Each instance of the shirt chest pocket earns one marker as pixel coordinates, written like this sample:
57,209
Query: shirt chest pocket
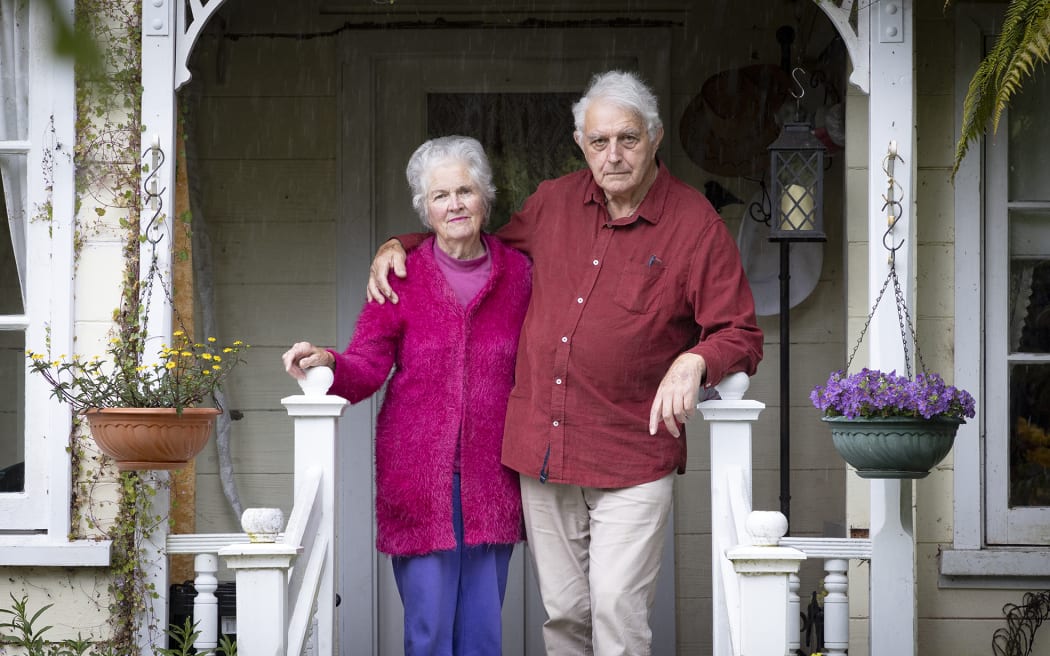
641,287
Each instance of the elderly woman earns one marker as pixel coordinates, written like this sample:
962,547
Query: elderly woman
447,511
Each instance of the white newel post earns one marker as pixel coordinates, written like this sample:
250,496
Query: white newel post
261,570
316,415
764,569
729,421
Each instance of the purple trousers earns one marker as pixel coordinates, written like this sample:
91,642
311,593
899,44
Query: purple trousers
453,599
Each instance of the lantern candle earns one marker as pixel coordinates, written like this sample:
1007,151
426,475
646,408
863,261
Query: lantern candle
796,208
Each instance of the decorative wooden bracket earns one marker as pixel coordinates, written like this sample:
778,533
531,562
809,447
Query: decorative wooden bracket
853,26
191,18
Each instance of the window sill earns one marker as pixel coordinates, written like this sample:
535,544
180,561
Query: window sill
1021,568
39,550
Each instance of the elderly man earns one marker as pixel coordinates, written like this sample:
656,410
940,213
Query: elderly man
638,300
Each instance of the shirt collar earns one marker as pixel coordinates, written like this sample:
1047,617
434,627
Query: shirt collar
652,207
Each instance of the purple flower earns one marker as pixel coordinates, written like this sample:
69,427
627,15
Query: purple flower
873,393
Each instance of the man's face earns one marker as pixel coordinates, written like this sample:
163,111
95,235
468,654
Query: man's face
617,147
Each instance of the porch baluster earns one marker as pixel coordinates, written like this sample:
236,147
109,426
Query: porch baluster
836,553
206,604
836,607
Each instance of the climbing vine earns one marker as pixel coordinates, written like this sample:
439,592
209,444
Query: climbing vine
108,184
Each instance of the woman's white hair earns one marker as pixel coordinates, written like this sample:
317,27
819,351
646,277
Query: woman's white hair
625,90
453,149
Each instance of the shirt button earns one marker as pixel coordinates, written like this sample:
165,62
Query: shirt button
555,423
564,339
557,381
579,300
595,263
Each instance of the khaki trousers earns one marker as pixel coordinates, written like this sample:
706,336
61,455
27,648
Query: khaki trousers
597,554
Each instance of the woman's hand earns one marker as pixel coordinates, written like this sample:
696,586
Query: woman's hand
304,355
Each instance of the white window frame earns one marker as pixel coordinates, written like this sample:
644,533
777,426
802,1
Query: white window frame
980,201
35,524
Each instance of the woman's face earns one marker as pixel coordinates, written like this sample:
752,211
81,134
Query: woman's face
455,208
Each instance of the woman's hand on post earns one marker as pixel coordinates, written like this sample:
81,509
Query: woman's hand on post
391,255
304,355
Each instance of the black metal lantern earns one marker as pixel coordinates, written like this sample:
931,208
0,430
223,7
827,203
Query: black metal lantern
797,190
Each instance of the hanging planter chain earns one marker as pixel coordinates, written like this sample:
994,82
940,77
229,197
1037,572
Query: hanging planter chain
156,225
907,326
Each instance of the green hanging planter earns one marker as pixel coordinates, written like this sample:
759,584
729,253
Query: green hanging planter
893,447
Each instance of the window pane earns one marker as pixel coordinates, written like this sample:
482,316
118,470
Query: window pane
1030,435
12,365
1029,178
10,286
12,402
1029,293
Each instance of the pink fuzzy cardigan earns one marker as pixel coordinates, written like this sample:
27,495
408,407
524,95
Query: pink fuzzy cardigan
453,371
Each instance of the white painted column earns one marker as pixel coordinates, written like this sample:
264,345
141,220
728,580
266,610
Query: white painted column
730,422
158,120
891,119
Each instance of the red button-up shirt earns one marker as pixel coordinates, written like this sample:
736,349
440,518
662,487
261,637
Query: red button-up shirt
614,302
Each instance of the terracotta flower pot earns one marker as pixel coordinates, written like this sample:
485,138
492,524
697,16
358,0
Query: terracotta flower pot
151,438
893,447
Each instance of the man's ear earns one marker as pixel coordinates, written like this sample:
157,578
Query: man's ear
659,137
578,138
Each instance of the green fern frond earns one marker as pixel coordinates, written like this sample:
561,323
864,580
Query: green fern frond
1033,48
1023,42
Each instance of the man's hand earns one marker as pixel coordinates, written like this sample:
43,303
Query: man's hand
676,397
304,355
391,255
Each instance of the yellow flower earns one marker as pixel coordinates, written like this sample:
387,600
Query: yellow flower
227,350
217,358
206,356
215,367
169,365
238,343
205,372
211,339
186,354
178,333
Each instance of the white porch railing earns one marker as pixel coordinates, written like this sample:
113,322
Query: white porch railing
285,586
284,581
755,601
